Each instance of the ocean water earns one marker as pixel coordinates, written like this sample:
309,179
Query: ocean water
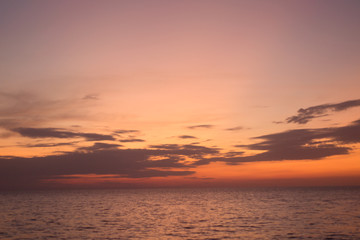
283,213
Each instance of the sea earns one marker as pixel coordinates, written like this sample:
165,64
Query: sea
182,213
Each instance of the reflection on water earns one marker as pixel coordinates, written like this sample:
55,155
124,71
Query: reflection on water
319,213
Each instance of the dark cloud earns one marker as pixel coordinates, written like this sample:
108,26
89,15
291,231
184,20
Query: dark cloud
17,172
234,153
240,146
132,140
104,159
166,146
186,137
346,135
95,136
59,133
44,145
200,178
100,146
305,115
201,126
161,160
235,128
126,131
299,144
44,133
187,150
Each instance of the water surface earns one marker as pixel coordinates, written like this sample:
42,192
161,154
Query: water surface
283,213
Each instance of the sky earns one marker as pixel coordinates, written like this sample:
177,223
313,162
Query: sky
157,93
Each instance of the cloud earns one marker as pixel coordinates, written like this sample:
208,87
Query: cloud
186,150
42,145
234,153
4,133
305,115
234,128
101,159
163,160
100,146
59,133
201,126
91,97
186,137
346,135
298,144
132,140
166,146
126,131
200,178
24,108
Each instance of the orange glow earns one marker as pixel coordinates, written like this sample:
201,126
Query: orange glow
179,94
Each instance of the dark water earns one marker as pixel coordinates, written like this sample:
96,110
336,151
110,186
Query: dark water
298,213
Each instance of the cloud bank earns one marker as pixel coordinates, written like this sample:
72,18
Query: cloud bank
103,159
298,144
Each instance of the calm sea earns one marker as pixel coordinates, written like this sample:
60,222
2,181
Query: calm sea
284,213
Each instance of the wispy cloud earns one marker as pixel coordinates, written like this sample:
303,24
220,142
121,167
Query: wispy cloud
234,153
305,115
132,140
100,146
187,149
24,109
187,137
126,131
45,145
201,126
60,133
235,128
91,97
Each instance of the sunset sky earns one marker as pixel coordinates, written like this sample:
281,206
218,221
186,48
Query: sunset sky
179,93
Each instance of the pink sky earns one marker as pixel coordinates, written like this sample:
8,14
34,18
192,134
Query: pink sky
75,73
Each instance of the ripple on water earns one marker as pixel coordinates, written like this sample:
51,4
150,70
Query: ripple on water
182,214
